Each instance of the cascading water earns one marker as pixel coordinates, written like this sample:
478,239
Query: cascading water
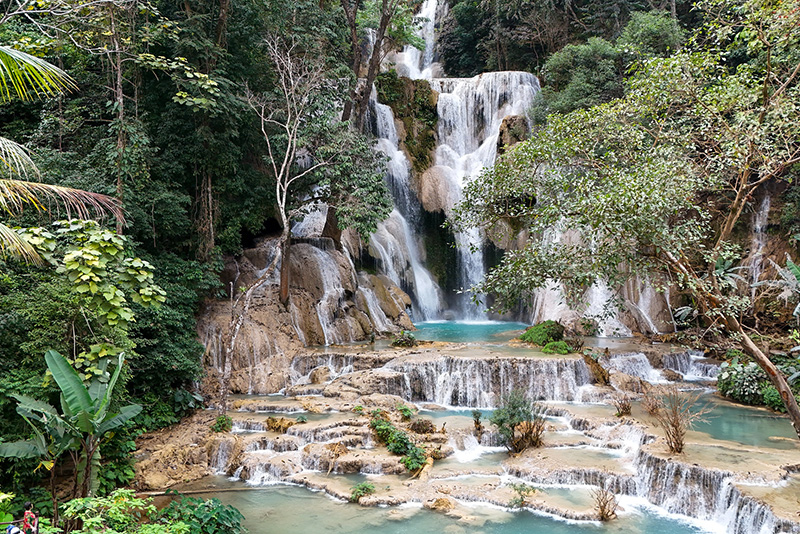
481,383
333,295
759,241
418,64
471,112
600,304
394,241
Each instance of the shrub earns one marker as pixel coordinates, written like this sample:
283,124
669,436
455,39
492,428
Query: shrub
522,491
397,441
650,403
605,503
772,399
404,339
741,382
422,426
122,512
205,516
360,490
358,409
414,459
677,415
405,411
622,403
223,423
519,422
543,333
574,343
556,347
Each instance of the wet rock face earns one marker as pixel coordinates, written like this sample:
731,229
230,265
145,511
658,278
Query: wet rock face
513,130
329,303
442,504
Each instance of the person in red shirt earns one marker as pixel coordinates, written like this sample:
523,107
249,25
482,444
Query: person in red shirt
30,523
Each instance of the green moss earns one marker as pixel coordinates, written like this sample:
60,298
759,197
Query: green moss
556,347
543,333
414,103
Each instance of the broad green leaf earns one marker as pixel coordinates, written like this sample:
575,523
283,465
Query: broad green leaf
75,395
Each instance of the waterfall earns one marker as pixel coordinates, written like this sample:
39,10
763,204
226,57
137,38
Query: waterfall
691,366
394,241
332,298
418,64
470,114
376,313
759,241
600,305
634,364
302,366
476,382
704,494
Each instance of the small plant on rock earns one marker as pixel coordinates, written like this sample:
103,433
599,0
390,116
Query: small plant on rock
405,411
358,409
404,338
422,426
523,491
651,403
477,415
605,503
223,423
302,419
414,459
622,402
678,414
519,421
361,489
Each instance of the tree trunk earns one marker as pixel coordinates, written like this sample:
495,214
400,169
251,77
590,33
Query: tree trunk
774,375
206,217
387,12
355,49
119,98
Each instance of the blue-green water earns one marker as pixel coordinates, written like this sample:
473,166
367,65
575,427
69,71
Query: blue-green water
296,510
469,331
745,425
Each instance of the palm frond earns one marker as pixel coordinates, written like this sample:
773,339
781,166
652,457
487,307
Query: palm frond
29,77
14,245
15,194
14,159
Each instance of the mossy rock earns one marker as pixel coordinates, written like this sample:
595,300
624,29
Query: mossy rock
556,347
414,103
544,333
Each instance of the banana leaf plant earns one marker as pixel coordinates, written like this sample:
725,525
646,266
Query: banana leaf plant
79,427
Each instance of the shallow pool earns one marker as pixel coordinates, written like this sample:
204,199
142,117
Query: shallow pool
469,331
746,425
296,510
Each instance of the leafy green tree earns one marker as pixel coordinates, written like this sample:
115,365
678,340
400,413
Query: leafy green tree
377,26
579,76
25,76
650,34
519,421
86,418
640,178
122,512
105,281
312,157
